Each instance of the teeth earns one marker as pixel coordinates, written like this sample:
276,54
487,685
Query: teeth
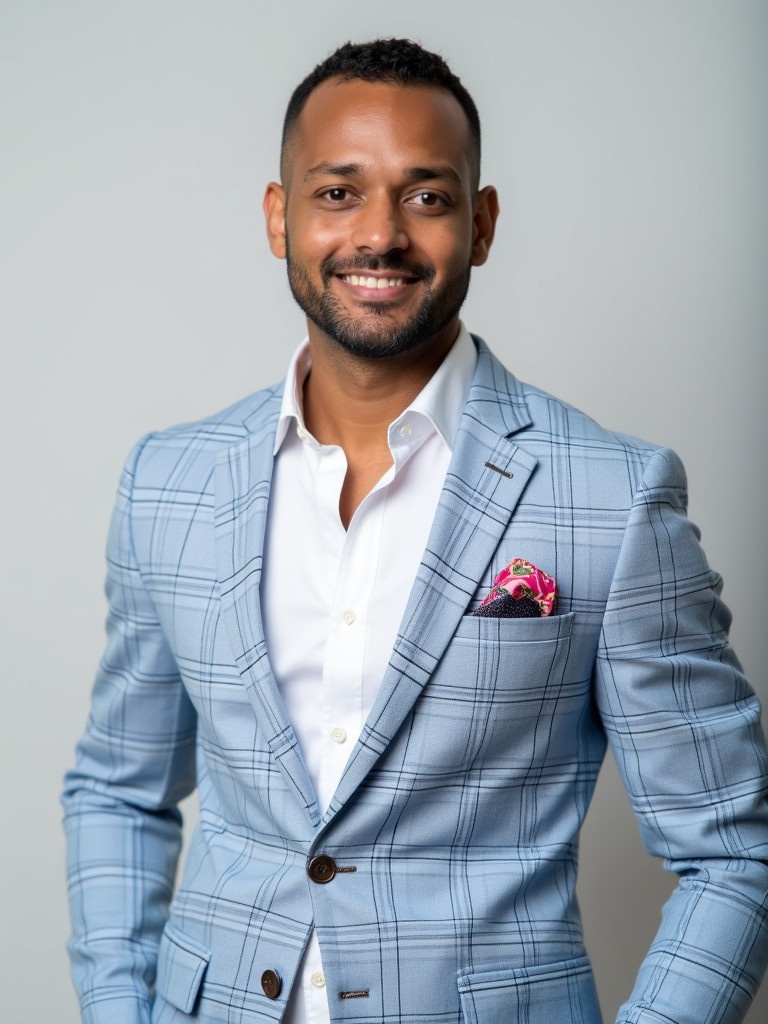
374,282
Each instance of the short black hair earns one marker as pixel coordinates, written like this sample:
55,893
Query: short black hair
398,61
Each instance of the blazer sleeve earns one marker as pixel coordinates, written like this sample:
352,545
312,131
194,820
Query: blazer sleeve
134,763
684,727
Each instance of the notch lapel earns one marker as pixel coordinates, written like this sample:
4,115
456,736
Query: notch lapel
243,479
486,477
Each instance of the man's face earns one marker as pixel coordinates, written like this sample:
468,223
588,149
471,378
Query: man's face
378,215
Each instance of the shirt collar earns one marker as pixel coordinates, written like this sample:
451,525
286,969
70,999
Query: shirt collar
441,400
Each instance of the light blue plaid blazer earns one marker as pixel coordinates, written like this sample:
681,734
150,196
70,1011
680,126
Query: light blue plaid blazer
455,824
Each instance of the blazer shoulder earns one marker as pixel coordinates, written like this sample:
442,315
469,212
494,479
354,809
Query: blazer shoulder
191,449
231,424
554,431
558,418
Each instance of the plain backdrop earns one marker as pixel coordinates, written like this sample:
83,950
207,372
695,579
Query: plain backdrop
629,143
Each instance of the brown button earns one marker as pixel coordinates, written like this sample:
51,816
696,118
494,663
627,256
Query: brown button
322,869
270,982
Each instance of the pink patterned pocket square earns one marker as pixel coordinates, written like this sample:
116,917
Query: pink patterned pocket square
520,591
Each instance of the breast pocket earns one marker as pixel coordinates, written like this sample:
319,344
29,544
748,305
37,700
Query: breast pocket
501,692
546,629
495,743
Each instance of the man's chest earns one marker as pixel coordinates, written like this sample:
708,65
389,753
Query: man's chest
332,599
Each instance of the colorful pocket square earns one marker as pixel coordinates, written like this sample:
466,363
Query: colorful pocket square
519,591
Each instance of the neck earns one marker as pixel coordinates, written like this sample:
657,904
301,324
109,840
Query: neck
350,401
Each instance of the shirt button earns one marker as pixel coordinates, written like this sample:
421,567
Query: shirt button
349,617
338,735
406,430
318,979
303,434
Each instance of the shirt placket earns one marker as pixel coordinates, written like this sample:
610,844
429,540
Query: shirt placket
344,662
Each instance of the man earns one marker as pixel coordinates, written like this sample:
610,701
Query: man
315,616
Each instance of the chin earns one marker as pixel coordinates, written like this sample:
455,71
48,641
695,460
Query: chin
378,341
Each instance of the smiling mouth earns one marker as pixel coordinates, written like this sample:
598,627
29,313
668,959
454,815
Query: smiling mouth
364,281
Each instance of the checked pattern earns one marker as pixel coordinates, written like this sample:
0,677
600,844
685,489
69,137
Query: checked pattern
460,806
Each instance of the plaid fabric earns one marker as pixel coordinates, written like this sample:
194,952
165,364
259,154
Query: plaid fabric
455,824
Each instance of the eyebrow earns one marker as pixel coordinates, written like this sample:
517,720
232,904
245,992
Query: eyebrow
432,173
326,169
334,171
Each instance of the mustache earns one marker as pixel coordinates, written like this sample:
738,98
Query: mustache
387,264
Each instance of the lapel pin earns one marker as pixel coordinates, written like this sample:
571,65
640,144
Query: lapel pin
498,469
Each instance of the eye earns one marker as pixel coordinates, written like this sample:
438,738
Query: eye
428,200
337,194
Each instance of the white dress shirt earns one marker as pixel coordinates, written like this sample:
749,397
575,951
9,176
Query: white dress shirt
333,599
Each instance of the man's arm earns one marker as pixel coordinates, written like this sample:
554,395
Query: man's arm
135,762
684,727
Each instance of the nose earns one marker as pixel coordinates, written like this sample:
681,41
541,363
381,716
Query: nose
379,226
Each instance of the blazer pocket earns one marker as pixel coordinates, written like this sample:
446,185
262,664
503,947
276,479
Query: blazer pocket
505,696
181,965
512,659
558,993
547,629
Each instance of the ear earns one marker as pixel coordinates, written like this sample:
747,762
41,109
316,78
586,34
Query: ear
274,214
484,224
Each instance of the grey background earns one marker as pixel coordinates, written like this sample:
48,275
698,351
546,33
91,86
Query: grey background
629,142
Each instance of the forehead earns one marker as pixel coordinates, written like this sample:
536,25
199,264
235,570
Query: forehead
381,122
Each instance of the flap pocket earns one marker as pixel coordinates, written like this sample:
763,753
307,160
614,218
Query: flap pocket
558,993
181,965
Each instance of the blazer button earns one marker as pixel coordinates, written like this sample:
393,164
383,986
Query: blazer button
270,982
322,869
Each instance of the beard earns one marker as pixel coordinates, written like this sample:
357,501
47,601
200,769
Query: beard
371,334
